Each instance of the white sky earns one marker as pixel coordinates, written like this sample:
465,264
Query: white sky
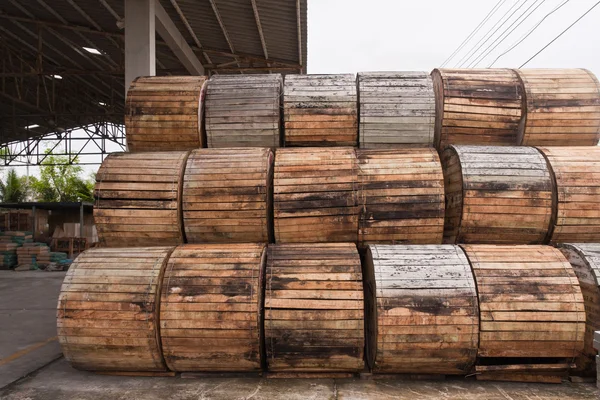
393,35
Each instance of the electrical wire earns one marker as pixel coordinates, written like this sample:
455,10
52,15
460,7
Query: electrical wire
560,34
474,32
522,38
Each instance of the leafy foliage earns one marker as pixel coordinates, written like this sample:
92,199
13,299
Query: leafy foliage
13,189
61,181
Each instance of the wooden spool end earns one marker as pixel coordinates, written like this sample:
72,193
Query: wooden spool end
477,106
107,312
497,195
401,196
320,110
585,259
421,310
315,195
576,173
164,113
243,111
563,107
138,199
314,311
396,109
531,310
227,196
210,314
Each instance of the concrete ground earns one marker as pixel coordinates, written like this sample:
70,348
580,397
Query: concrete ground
28,346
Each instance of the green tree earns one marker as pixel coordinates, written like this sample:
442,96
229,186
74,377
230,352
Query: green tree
13,190
60,181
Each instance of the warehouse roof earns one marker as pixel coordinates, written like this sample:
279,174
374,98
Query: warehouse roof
63,59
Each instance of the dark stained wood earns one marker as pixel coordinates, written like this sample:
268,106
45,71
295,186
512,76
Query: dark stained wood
477,106
422,313
576,172
210,314
396,109
164,113
107,312
401,196
585,259
314,308
315,195
531,310
497,195
243,110
138,199
320,110
562,107
227,195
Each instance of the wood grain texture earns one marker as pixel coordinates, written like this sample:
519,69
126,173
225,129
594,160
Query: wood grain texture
576,172
562,107
314,308
107,312
396,109
164,113
497,195
210,314
138,199
422,311
531,310
320,110
243,110
585,259
227,195
477,106
315,195
401,196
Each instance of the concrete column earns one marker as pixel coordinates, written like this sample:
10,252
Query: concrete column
140,33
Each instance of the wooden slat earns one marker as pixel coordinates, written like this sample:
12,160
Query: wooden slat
308,330
497,195
137,199
475,98
401,196
422,314
320,110
538,333
585,259
553,97
396,109
227,195
164,113
107,313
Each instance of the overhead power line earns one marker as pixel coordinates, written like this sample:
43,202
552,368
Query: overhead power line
487,35
560,34
525,36
474,32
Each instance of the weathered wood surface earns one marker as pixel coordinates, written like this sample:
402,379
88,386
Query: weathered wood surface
210,314
164,113
576,172
320,110
531,310
314,311
243,110
227,195
562,107
401,196
422,312
138,199
107,312
585,259
396,109
477,106
315,195
496,195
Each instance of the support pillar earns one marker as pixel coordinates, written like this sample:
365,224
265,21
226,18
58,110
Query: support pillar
140,34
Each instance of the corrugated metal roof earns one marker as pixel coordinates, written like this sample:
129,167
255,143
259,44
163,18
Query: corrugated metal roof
92,87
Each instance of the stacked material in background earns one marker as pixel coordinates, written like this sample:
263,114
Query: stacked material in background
28,255
9,242
53,261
